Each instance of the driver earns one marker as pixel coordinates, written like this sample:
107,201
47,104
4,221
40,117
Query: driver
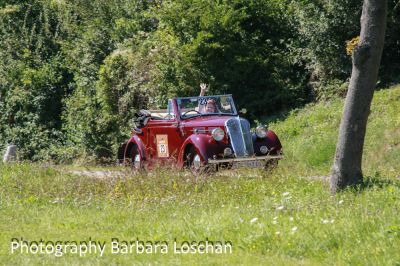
211,105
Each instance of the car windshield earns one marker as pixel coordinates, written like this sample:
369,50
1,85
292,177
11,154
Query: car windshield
206,105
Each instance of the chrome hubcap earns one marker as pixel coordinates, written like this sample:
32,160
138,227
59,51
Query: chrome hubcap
196,162
136,161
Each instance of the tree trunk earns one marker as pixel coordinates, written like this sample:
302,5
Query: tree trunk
346,169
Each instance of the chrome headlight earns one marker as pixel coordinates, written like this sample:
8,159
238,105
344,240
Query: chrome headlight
218,134
261,132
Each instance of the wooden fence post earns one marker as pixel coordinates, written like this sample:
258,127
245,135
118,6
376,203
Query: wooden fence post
11,154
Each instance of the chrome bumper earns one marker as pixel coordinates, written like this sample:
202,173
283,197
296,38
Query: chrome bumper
254,158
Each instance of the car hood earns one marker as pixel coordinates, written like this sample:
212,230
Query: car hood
207,121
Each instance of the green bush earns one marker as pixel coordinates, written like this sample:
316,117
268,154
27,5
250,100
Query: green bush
73,72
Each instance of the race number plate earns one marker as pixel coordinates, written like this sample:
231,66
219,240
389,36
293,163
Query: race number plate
162,146
248,164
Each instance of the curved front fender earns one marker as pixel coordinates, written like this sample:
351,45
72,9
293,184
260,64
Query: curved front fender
271,141
201,143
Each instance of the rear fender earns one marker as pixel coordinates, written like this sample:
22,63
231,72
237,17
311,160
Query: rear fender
135,140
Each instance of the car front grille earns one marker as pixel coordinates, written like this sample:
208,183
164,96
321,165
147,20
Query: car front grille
238,130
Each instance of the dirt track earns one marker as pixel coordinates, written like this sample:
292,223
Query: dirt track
99,174
106,174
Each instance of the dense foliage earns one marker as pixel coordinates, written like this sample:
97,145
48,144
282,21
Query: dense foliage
73,72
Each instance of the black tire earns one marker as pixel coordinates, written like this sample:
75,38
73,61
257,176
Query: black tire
196,164
271,165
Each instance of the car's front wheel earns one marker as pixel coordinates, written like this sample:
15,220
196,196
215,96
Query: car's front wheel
196,164
270,165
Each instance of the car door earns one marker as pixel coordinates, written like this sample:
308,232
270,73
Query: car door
165,139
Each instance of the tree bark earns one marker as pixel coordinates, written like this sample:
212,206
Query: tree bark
346,169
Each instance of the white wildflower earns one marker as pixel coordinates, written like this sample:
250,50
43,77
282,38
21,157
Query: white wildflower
290,218
277,233
324,221
274,222
332,221
281,207
341,202
285,194
253,220
294,229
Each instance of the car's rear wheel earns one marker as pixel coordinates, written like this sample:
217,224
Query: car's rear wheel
136,160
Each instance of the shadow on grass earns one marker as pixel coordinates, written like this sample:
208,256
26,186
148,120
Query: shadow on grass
370,182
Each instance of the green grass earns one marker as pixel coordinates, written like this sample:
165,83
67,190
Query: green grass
309,136
285,217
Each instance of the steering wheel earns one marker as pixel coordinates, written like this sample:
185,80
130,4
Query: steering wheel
184,114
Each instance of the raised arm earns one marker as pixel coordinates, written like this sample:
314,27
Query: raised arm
203,88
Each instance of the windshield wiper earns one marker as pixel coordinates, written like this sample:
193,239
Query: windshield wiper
192,116
219,114
206,114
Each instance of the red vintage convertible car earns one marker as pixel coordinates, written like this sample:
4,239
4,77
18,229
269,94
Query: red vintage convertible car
200,133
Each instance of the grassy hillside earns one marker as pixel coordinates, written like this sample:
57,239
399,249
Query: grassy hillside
280,218
309,136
